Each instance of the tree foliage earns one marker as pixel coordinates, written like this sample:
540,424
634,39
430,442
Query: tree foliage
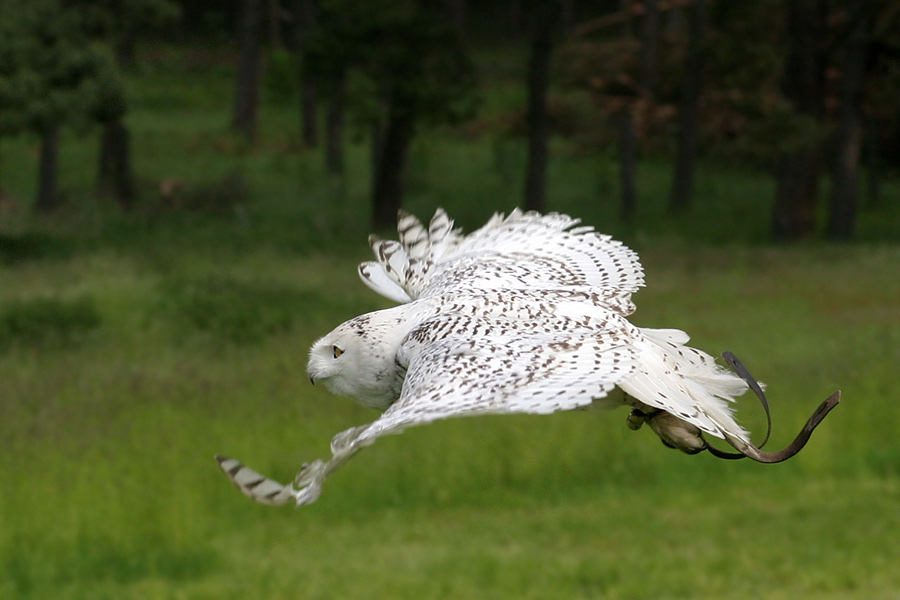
387,68
402,49
407,67
57,68
52,74
767,95
50,71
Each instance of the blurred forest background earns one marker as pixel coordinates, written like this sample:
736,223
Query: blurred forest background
185,191
797,95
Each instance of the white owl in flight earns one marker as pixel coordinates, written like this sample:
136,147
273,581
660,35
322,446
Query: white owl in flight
526,315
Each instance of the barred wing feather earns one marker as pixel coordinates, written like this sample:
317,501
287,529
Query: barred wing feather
519,251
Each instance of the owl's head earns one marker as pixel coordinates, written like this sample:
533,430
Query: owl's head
357,360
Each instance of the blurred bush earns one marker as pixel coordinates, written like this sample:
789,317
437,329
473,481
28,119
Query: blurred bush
47,322
230,310
216,198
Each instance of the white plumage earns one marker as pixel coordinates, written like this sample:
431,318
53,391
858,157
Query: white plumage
525,315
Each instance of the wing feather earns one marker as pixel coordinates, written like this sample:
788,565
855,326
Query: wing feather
519,251
554,363
539,367
379,279
684,381
401,267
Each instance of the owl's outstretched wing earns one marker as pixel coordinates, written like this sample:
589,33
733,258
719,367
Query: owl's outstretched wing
511,367
518,251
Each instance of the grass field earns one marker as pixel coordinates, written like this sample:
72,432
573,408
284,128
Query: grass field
109,488
134,348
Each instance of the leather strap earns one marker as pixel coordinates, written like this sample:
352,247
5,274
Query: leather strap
747,449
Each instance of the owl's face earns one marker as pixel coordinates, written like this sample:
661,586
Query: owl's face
351,361
335,361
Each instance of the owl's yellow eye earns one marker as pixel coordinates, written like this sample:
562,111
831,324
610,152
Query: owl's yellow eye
337,351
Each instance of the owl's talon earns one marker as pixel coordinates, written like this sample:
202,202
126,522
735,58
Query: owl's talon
635,419
676,433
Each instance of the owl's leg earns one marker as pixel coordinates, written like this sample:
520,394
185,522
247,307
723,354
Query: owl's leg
679,434
673,432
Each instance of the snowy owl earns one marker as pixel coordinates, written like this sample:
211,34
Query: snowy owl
526,315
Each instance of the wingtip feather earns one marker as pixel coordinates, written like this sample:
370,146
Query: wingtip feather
255,486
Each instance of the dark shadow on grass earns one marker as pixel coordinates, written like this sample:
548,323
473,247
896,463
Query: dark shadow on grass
99,559
47,322
15,249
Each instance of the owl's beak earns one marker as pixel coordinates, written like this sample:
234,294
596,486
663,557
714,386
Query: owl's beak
312,380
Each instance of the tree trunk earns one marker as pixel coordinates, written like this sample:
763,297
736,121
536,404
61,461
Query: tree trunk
538,115
246,105
273,25
378,130
48,171
391,159
115,176
513,19
804,85
627,139
567,15
873,164
649,46
456,12
627,165
848,137
125,49
689,110
795,202
334,130
305,15
309,111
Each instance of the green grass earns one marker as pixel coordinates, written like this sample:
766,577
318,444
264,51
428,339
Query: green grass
109,488
135,347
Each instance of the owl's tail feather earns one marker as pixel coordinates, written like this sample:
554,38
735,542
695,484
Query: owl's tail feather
686,383
749,450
